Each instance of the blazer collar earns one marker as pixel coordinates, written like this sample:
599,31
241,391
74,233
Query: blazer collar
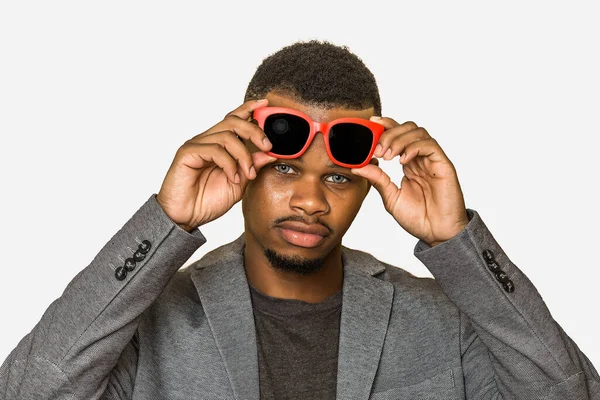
222,287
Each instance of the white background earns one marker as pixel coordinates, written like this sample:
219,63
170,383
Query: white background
95,98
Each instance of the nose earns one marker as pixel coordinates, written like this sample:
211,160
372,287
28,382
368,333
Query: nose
309,197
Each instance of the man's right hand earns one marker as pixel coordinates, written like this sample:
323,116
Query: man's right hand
210,171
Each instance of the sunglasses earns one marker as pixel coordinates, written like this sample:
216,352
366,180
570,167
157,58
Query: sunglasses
350,142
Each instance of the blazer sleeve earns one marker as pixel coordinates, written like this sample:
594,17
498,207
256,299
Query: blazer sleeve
89,330
512,348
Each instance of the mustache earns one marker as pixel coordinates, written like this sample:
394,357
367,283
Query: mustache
298,218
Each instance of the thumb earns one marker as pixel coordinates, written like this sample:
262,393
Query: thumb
379,179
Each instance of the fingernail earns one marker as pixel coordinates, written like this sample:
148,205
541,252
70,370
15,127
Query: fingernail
388,153
252,172
266,141
378,150
261,100
236,178
375,118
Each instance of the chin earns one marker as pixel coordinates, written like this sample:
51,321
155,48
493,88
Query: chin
297,263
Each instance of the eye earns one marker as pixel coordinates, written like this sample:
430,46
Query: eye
282,168
338,178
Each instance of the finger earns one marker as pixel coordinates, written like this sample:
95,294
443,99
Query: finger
259,160
245,110
380,180
198,155
423,148
244,130
231,143
390,133
400,142
237,122
388,122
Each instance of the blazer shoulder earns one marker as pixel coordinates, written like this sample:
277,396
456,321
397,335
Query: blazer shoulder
180,291
406,285
362,262
421,300
407,282
416,297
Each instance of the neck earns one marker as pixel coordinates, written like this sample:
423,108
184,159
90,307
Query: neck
273,282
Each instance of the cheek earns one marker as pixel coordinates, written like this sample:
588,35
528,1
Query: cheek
347,205
276,197
265,200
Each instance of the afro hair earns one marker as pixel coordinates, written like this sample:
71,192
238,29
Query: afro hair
317,73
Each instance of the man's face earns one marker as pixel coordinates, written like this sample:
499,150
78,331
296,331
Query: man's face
310,190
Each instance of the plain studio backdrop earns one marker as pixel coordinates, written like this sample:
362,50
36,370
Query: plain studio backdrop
96,98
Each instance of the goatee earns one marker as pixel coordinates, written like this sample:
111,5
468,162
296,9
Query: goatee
296,264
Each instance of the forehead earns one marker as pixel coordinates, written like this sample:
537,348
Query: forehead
317,113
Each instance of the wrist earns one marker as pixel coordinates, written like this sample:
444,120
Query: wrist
186,227
459,229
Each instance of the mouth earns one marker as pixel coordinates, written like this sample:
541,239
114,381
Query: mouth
303,235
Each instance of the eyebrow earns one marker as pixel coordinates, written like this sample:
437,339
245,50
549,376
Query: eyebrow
332,165
329,164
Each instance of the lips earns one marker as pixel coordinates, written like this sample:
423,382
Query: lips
303,235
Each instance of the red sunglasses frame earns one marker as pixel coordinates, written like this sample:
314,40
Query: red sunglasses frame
261,114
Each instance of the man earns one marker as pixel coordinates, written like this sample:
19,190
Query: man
285,311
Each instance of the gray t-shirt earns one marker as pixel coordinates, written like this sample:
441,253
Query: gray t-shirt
297,346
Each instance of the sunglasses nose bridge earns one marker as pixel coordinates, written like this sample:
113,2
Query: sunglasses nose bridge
320,127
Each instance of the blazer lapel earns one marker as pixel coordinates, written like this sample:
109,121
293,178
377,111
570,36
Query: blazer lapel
366,309
222,286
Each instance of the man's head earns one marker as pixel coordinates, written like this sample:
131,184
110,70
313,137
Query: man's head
325,82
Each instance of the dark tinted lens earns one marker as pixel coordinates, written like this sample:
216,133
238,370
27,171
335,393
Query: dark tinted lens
350,143
288,133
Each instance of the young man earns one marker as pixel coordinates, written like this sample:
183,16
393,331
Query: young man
285,311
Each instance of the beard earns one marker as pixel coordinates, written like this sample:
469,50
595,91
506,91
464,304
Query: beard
296,264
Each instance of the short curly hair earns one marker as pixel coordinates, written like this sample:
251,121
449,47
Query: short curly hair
317,72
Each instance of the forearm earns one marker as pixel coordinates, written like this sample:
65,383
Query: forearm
81,336
529,352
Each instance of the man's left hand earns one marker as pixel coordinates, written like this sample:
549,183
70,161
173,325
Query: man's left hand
429,203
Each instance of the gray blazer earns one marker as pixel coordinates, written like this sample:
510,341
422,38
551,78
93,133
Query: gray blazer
165,333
